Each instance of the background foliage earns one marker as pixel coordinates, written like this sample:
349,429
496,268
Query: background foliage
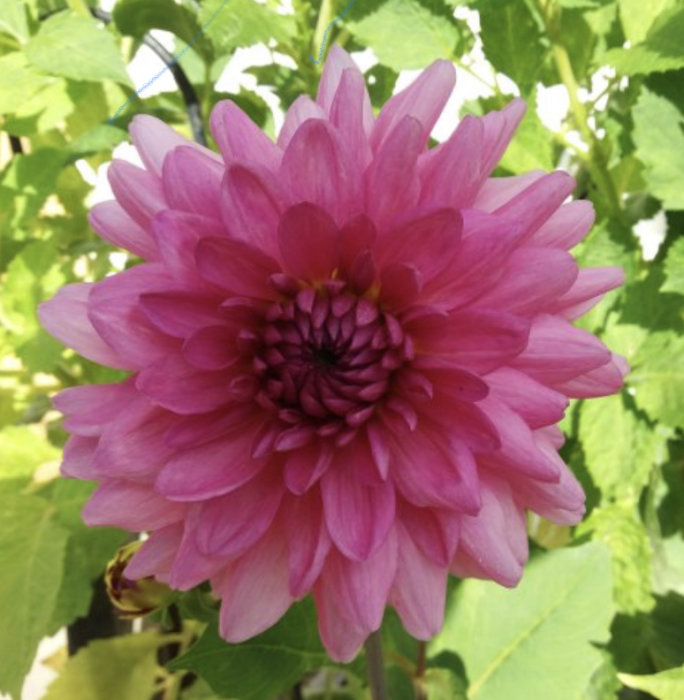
600,611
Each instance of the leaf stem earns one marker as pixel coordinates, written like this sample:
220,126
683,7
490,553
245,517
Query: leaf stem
325,15
376,667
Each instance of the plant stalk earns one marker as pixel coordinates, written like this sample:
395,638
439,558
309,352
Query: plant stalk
325,16
376,667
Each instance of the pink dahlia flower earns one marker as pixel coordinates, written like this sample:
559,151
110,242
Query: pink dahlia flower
348,354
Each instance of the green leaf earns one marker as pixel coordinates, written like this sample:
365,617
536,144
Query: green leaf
32,549
512,40
637,17
620,448
263,666
19,81
658,135
510,640
619,526
76,47
124,668
13,19
674,268
661,51
238,23
407,33
666,685
24,448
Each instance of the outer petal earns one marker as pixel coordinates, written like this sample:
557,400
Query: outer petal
77,459
138,191
254,590
567,226
591,284
156,554
358,517
65,316
113,224
302,109
419,588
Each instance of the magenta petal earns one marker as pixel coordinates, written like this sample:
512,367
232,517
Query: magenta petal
423,101
113,224
191,391
497,191
494,542
229,525
308,540
240,139
602,381
66,317
309,242
77,459
351,113
305,466
211,348
342,639
499,128
88,409
435,532
138,191
302,109
567,226
235,266
419,589
400,285
254,589
358,517
180,314
360,588
192,181
131,507
154,140
156,554
591,284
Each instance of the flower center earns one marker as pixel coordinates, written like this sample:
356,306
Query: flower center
327,356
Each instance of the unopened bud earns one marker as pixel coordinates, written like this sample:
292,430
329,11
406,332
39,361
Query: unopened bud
133,598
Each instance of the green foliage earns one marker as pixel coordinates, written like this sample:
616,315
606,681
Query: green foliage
504,636
597,615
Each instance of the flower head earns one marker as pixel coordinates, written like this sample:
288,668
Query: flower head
348,354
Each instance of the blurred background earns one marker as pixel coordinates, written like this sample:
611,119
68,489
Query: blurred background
600,612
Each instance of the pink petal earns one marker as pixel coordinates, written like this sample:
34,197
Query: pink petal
77,458
302,109
65,317
535,403
499,128
434,531
351,113
359,589
175,384
254,591
191,431
602,381
113,224
190,567
156,553
391,181
191,181
342,638
115,312
557,351
131,507
212,348
180,314
450,173
309,242
316,168
494,542
210,470
137,191
423,100
240,139
235,266
567,226
400,285
229,525
419,589
251,206
533,280
308,540
358,517
496,191
305,466
589,288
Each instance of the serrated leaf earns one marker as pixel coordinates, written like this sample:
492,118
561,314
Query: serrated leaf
76,47
658,135
661,51
619,526
620,448
512,40
261,667
124,668
505,637
637,16
407,33
32,547
19,81
238,23
666,685
674,268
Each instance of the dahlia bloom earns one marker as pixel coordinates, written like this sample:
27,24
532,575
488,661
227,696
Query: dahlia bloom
348,354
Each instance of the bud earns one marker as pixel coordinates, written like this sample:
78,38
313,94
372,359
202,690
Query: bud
133,598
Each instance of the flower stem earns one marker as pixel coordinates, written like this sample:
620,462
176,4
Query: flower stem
325,16
421,665
376,667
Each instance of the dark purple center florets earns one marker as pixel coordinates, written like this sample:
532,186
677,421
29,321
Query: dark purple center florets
328,356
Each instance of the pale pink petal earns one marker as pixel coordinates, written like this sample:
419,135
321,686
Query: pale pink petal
496,191
588,290
351,113
112,223
567,226
156,554
602,381
139,192
302,109
342,639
